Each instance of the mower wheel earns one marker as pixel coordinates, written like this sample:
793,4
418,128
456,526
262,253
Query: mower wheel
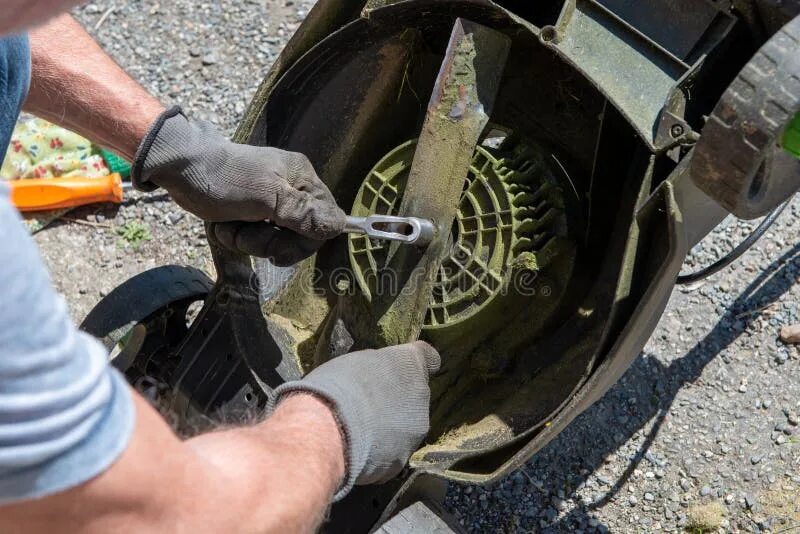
738,160
142,296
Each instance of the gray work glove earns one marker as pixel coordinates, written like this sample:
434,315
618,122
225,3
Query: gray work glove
239,187
381,399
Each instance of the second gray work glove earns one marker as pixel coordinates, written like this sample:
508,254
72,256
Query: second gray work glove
382,401
239,187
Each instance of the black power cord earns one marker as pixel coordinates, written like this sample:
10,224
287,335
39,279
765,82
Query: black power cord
734,254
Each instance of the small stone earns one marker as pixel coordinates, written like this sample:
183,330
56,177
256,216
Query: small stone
558,504
653,459
649,497
755,459
210,59
632,500
705,491
793,419
790,333
685,484
766,403
743,388
729,498
780,439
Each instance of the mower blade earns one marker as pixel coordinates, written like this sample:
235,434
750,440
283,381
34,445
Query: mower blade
457,114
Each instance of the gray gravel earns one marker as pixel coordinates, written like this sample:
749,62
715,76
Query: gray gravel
708,415
703,415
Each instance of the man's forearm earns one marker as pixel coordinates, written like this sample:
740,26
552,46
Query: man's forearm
277,476
293,463
75,84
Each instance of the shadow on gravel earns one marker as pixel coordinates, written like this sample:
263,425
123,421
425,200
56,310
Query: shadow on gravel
107,210
646,392
158,196
774,281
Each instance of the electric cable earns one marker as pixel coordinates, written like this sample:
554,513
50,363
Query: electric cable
734,254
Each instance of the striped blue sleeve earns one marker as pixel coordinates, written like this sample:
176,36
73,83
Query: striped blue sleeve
65,414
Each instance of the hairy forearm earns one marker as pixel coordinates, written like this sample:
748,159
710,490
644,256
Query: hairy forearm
276,476
19,15
294,461
75,84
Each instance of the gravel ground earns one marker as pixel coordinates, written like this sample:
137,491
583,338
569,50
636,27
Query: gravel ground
703,429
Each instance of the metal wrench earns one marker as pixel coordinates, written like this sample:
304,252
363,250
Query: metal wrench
409,230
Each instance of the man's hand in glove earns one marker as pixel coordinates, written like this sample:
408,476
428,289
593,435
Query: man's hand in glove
381,399
239,187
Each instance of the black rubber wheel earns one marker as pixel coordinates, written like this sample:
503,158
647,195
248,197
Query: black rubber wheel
142,296
143,322
738,160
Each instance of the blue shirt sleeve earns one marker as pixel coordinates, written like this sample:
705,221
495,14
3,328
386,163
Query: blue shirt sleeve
65,414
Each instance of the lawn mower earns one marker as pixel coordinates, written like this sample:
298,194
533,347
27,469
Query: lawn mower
570,153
